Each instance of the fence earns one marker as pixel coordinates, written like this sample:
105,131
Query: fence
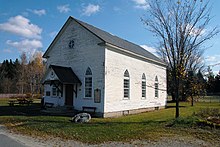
12,95
210,99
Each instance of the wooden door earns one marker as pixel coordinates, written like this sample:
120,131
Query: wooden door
69,95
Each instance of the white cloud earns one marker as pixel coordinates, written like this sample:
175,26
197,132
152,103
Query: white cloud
91,9
53,34
21,26
213,59
26,45
150,49
64,8
38,12
141,4
195,31
213,62
25,14
116,9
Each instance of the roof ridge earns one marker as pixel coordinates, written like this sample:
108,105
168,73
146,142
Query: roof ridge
118,41
82,22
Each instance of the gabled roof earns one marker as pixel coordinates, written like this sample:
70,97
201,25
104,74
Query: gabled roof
111,39
65,75
119,42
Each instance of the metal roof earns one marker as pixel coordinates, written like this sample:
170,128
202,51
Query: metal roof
65,74
108,38
119,42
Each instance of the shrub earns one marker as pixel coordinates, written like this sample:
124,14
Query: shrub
184,122
208,112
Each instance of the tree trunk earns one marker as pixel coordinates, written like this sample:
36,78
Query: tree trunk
192,101
177,104
177,96
173,96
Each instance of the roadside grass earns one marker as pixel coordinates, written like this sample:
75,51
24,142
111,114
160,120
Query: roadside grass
145,126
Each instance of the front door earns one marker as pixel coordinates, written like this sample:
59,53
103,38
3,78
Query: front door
69,95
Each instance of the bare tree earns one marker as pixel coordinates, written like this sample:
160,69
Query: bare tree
35,73
22,82
181,29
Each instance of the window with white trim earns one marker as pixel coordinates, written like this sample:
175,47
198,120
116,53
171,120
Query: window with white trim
143,86
47,93
156,85
126,85
55,92
88,83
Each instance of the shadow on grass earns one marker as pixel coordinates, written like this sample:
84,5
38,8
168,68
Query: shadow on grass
24,110
34,109
59,122
167,107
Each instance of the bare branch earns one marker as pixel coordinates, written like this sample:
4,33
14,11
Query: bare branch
180,27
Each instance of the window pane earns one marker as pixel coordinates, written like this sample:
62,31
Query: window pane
156,79
88,92
126,84
143,85
143,93
88,87
143,77
126,73
54,91
156,89
88,83
126,93
88,71
47,93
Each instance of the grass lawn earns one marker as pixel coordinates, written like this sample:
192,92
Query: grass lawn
146,126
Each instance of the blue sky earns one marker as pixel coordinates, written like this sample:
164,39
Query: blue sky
31,25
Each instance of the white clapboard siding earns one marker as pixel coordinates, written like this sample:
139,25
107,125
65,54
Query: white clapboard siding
86,53
108,65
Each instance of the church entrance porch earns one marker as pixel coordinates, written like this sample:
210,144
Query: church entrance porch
60,86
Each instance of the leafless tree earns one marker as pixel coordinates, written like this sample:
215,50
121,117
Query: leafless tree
35,73
23,76
181,29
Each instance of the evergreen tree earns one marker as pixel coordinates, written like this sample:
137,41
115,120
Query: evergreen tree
217,84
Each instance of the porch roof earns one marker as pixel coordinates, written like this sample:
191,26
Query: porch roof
65,75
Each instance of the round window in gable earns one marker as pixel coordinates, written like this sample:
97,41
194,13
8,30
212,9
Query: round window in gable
52,75
71,44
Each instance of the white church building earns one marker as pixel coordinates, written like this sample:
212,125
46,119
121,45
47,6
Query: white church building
92,70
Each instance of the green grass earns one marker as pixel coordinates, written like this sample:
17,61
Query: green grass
4,101
146,126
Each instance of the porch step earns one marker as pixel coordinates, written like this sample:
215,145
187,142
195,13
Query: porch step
60,110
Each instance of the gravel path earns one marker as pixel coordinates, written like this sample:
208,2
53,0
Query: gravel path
177,141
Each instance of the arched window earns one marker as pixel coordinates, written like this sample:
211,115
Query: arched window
143,85
126,85
88,83
156,87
